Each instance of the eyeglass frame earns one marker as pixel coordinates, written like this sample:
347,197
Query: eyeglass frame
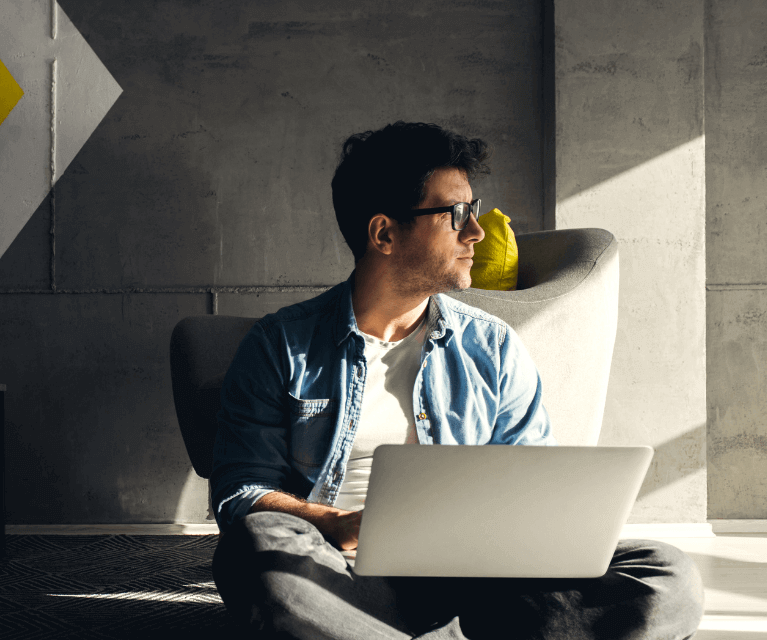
452,210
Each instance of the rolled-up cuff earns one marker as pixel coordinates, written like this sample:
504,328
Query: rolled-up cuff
238,505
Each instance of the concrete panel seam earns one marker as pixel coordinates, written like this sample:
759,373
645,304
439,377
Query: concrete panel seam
548,118
215,291
54,72
54,19
52,234
734,286
26,291
214,303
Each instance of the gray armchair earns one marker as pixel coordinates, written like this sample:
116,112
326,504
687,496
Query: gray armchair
565,310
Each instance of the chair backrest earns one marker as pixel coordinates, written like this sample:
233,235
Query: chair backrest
566,314
565,311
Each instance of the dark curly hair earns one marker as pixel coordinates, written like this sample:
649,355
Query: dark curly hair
385,171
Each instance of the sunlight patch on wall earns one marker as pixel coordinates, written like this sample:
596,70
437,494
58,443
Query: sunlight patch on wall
652,200
657,389
193,503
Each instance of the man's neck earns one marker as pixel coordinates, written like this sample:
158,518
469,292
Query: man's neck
380,310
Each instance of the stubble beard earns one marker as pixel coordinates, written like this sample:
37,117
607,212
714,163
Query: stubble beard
424,278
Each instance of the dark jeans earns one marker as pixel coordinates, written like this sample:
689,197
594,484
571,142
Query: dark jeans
279,578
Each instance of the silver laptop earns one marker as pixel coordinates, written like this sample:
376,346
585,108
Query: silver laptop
497,510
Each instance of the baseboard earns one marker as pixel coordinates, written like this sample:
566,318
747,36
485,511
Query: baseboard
668,530
111,529
738,526
652,530
711,528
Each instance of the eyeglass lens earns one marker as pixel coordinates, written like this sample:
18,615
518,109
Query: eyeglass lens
461,214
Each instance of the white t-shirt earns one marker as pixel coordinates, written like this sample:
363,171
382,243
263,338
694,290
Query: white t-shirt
387,415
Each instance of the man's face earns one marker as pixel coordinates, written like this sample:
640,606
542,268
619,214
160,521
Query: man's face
431,257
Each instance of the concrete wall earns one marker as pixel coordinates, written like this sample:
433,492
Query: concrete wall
630,159
207,188
736,205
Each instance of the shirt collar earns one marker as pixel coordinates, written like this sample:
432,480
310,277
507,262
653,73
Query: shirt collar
437,324
346,323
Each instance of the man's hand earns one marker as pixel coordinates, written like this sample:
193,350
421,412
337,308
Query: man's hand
340,527
345,528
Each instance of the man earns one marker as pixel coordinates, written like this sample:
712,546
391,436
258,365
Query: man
384,358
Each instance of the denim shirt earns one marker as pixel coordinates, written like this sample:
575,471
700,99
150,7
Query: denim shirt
291,400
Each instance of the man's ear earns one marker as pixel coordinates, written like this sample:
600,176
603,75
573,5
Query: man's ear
380,230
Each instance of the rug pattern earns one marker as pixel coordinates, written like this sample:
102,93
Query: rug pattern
109,587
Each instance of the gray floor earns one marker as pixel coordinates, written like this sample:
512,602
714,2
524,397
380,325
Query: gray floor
143,586
734,569
105,587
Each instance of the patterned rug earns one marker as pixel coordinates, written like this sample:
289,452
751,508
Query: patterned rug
109,587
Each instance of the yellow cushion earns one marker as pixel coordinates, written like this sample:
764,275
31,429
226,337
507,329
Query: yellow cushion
496,258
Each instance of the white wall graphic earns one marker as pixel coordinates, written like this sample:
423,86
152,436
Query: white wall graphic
66,90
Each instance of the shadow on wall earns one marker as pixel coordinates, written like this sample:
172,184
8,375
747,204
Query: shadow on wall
213,169
675,460
91,430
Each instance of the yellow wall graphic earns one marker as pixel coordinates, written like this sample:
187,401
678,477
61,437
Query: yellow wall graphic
10,92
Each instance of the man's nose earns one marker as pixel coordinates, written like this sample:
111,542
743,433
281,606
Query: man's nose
472,232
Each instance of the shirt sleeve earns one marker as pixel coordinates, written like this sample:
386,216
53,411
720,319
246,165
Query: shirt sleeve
250,451
522,419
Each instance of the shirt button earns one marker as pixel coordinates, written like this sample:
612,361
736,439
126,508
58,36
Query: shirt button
359,372
422,416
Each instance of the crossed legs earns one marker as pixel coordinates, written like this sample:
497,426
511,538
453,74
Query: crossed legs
279,577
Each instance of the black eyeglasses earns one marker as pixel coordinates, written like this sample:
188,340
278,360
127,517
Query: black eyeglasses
460,212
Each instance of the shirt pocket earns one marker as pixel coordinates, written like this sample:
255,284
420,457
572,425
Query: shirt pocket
311,430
